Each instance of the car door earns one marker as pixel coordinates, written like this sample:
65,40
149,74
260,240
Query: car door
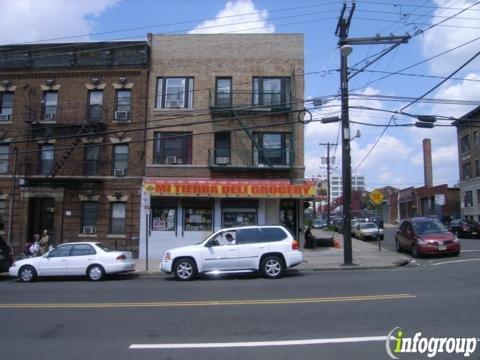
55,262
251,246
80,258
220,254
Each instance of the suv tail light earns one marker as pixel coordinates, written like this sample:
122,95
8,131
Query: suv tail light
121,257
295,245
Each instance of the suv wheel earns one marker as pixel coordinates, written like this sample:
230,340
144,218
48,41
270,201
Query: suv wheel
184,269
272,267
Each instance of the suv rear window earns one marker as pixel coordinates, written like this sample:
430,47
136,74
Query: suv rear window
273,234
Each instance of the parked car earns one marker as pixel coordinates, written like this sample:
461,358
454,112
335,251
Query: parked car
319,223
424,236
6,258
91,259
268,249
368,231
463,228
355,222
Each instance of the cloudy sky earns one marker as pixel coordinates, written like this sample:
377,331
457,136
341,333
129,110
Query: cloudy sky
386,156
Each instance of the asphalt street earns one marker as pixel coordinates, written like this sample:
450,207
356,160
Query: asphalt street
295,317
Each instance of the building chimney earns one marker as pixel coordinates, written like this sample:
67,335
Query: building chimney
427,162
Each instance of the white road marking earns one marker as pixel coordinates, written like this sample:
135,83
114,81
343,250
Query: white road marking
454,261
258,343
469,251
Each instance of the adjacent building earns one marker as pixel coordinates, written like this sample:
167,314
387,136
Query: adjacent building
225,144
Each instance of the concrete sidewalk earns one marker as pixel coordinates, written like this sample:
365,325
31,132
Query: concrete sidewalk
365,256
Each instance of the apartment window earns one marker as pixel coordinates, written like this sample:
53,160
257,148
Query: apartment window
476,140
465,144
6,106
123,104
4,150
174,92
477,168
222,148
467,171
117,217
478,198
49,105
274,148
468,199
223,92
173,148
46,157
89,216
3,214
120,158
91,156
269,91
95,105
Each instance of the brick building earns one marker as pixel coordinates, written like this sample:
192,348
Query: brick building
69,156
225,144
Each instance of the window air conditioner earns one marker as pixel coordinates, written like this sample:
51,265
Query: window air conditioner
5,116
122,115
49,116
171,160
222,160
119,172
174,103
89,229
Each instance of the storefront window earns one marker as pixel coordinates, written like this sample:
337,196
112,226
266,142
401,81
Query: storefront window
163,219
239,217
198,219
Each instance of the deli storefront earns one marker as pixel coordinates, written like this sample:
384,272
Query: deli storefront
184,212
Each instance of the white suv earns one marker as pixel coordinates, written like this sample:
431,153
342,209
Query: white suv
268,249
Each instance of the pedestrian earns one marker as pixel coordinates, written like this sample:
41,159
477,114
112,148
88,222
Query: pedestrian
44,242
32,248
309,238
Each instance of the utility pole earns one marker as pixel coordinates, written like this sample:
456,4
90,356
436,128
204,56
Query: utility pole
344,44
328,161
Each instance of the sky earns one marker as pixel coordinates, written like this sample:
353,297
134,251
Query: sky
385,155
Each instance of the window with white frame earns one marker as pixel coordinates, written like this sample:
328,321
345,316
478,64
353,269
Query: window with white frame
465,144
274,148
120,158
123,104
6,106
174,93
4,150
117,217
468,199
49,105
173,148
89,217
268,91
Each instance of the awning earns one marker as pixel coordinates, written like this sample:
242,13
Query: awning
230,188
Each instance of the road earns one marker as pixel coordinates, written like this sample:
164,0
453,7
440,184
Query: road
295,317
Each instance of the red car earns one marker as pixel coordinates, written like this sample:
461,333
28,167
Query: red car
426,236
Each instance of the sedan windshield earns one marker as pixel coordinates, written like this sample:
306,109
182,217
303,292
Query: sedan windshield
429,227
368,226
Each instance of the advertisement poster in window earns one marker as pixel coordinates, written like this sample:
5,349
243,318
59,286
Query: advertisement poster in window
159,224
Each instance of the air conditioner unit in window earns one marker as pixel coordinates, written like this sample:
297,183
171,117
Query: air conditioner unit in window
49,116
171,160
174,103
222,160
89,229
122,115
5,116
119,172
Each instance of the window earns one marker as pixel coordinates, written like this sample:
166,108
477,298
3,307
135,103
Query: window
222,148
467,171
173,148
476,140
91,156
89,216
4,150
468,199
478,197
465,144
82,250
49,105
95,105
123,104
117,217
239,217
223,92
198,219
174,92
163,218
6,106
271,91
477,168
46,159
274,148
120,158
2,215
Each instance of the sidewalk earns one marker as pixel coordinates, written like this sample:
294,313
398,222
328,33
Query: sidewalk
365,256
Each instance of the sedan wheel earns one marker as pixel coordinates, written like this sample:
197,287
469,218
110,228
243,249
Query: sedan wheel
95,273
184,270
27,274
272,267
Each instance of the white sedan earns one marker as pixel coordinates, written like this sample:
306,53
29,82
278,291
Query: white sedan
91,259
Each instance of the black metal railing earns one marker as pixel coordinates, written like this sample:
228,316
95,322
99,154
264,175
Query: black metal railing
258,159
77,168
251,101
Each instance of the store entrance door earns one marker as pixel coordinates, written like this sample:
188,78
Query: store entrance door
288,215
41,216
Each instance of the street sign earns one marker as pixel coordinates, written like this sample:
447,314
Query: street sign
376,196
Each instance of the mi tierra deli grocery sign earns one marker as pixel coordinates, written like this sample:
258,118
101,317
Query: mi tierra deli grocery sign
246,189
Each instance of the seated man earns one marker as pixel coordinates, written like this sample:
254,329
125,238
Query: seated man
230,239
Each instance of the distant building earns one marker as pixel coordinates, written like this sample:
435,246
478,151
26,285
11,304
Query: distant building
336,188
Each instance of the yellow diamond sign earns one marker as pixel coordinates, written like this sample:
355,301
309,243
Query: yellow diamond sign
376,196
